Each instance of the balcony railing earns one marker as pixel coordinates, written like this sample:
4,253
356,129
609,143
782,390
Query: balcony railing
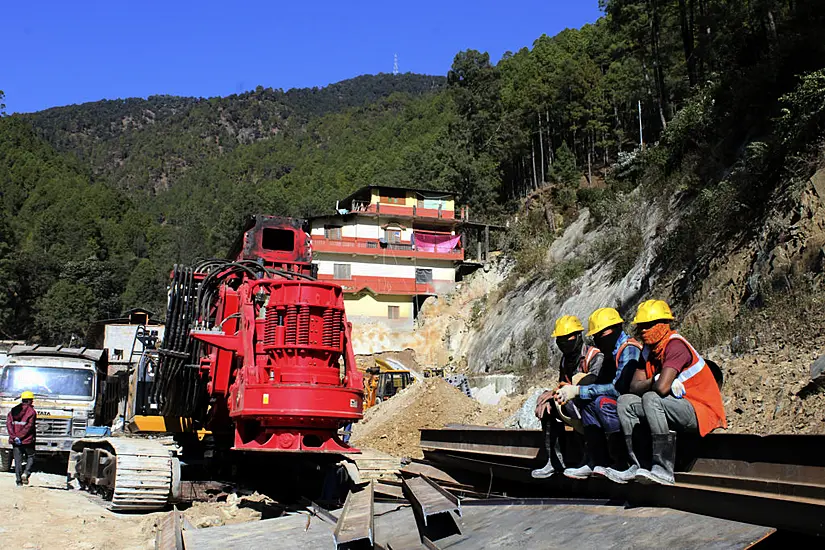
322,243
403,210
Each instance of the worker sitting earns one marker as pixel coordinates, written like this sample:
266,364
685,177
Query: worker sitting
21,425
577,361
598,401
674,389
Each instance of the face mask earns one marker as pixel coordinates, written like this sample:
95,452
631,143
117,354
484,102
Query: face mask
607,343
568,346
655,334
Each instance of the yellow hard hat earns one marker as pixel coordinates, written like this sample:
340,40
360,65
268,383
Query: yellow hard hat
567,325
27,395
653,310
601,319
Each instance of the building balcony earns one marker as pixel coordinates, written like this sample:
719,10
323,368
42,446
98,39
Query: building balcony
389,285
389,209
375,248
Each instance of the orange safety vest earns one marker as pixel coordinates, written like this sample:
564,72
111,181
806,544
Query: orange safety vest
702,392
629,342
590,353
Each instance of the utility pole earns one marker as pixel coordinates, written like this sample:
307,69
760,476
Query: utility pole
641,134
395,65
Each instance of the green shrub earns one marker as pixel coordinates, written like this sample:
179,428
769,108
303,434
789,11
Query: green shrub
564,273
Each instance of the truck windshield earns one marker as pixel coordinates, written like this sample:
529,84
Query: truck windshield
47,382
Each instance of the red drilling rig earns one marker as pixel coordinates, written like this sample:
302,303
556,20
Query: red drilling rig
256,354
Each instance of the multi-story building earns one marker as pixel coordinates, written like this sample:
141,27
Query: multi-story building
389,248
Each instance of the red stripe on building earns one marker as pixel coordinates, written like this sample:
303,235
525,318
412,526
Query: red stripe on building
386,285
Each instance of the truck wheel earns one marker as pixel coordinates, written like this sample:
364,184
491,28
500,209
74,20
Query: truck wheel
5,460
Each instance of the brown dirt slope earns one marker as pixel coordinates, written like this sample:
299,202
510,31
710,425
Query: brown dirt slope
393,426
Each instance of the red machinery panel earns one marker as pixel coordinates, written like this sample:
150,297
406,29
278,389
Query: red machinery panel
276,357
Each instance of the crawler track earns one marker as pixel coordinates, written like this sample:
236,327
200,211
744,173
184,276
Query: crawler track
132,474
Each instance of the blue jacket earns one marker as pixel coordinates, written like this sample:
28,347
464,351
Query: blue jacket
629,353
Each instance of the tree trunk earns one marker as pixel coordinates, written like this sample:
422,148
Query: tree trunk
533,154
549,139
524,176
653,97
541,149
703,40
773,36
589,160
658,70
686,23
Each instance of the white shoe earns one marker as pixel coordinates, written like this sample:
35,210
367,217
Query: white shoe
582,472
543,473
621,476
657,475
643,476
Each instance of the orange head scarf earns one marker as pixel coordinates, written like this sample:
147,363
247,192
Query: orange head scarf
657,338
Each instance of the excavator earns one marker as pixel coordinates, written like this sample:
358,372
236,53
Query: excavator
256,359
385,380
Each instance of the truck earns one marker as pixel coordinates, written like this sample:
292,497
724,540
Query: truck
65,382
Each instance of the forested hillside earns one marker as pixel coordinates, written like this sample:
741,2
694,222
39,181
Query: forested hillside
100,199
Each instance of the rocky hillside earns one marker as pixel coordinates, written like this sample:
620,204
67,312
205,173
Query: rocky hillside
756,310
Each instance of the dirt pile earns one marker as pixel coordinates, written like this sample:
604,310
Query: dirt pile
768,385
393,426
235,509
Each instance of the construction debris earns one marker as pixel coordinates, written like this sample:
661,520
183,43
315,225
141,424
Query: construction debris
393,426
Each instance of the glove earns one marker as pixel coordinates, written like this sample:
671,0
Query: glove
566,393
17,441
542,402
678,389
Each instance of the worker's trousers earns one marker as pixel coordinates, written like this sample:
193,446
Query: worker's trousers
662,413
600,412
19,452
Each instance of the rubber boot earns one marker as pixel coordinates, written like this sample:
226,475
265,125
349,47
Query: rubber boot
664,455
617,453
594,454
555,461
629,474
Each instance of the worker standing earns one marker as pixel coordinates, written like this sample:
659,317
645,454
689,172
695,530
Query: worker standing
21,425
578,360
598,400
674,389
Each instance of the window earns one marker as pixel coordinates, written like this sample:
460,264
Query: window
393,196
342,272
393,312
393,236
282,240
424,276
332,232
49,382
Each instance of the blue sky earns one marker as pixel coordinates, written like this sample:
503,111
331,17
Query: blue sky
63,52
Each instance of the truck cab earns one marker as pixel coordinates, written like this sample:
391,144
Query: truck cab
65,382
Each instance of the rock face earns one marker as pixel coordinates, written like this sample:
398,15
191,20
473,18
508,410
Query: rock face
444,326
525,417
517,328
818,370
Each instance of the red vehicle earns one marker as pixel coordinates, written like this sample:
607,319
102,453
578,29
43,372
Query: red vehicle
256,355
